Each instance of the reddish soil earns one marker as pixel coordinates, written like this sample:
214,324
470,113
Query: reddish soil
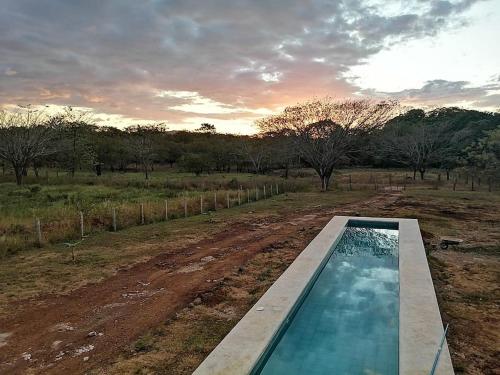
88,328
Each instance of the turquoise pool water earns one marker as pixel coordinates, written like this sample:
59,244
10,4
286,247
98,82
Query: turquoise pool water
348,322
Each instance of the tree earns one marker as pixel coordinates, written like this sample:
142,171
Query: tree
77,148
142,140
483,157
195,163
325,131
25,136
256,152
206,128
417,146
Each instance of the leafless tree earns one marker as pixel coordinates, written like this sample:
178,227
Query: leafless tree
75,127
25,136
417,146
142,142
256,152
325,131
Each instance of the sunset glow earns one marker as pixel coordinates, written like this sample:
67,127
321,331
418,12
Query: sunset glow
231,62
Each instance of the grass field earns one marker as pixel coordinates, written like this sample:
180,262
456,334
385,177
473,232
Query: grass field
57,199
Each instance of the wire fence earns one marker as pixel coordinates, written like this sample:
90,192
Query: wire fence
117,216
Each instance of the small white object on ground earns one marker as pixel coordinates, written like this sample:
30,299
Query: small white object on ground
84,349
26,356
260,308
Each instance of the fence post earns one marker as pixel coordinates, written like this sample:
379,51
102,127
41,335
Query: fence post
114,219
185,207
215,201
239,197
38,230
248,195
142,214
455,183
256,193
265,192
228,202
277,190
350,182
81,225
166,210
201,204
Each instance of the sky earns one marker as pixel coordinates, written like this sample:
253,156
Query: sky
230,62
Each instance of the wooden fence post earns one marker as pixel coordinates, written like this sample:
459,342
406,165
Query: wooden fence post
166,210
114,219
38,230
185,207
201,204
81,225
248,195
256,193
228,202
239,197
350,182
277,190
455,183
265,192
215,201
142,214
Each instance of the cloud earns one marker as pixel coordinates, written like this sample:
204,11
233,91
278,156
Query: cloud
10,72
226,60
441,92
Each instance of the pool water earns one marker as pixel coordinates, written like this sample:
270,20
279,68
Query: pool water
348,322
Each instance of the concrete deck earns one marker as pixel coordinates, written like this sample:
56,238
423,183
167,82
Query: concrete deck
420,326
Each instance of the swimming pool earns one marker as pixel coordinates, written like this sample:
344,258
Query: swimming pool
348,321
359,299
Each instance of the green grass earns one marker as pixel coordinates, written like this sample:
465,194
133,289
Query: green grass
57,202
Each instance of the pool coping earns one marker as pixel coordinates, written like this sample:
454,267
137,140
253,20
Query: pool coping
420,326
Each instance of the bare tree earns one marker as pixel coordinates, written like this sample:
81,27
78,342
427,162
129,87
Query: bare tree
256,152
142,142
25,136
417,146
325,131
78,149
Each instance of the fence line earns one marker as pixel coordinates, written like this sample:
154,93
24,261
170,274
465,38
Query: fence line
145,218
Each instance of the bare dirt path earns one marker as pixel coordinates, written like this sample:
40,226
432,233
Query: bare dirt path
89,327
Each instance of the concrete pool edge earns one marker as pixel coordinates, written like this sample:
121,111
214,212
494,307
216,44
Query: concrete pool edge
241,349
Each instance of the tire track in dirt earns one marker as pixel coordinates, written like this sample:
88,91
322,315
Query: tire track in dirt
90,326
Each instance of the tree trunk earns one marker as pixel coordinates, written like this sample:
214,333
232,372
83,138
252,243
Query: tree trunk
325,182
422,172
19,174
414,174
286,171
447,175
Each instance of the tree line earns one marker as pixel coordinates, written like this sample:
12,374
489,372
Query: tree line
323,134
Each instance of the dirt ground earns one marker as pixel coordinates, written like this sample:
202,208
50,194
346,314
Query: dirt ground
165,315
